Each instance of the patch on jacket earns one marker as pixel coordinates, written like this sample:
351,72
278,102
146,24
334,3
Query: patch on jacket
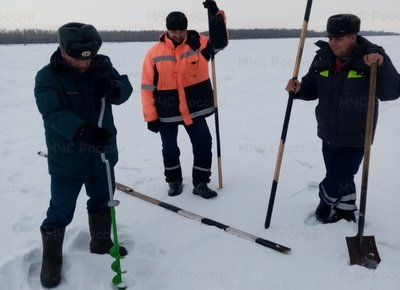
71,93
356,74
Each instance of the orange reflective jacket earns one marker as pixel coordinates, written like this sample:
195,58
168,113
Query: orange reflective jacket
175,80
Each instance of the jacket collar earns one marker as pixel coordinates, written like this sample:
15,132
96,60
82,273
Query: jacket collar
362,45
192,39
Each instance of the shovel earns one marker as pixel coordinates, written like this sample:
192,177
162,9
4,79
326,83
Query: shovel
362,249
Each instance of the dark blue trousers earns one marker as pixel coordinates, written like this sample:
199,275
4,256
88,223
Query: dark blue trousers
338,187
200,138
64,193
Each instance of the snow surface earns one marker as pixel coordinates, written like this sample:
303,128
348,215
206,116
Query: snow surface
168,251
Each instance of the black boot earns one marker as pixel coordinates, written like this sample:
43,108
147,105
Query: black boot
340,214
100,231
323,211
204,191
175,188
50,274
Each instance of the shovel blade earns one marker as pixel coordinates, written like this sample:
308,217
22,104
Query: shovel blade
365,253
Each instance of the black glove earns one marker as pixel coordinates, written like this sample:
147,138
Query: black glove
211,5
106,88
154,126
93,135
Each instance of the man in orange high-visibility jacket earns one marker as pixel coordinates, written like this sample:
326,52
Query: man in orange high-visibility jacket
176,89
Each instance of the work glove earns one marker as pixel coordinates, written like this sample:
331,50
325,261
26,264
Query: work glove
106,88
93,135
154,126
212,6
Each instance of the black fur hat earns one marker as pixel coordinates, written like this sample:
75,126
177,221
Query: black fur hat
341,24
79,40
176,21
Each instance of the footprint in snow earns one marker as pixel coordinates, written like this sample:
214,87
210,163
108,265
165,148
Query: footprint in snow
390,245
25,224
22,272
8,145
78,240
150,250
16,177
143,180
311,186
7,153
304,164
130,168
26,161
311,220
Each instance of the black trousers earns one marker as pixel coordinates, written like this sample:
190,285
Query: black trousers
338,187
64,195
200,138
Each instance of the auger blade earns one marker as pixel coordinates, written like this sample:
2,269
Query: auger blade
116,266
117,282
114,252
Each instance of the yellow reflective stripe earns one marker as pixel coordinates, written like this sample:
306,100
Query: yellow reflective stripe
354,75
324,73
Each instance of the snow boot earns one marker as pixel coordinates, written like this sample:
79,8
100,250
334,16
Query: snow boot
204,191
100,233
175,188
50,274
340,214
323,211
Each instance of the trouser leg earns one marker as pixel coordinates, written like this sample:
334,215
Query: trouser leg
98,193
99,213
338,188
201,140
170,152
64,193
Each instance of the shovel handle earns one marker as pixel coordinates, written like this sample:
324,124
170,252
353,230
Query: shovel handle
367,149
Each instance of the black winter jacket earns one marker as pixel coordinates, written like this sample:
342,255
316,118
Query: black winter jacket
343,96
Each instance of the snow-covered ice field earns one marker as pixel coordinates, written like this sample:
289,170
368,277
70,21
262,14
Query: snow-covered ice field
168,251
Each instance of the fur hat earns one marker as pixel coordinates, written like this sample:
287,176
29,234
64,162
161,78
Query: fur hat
79,40
176,21
341,24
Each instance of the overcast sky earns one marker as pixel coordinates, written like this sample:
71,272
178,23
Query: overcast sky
150,14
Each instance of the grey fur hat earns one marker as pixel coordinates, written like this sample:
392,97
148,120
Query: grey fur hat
79,40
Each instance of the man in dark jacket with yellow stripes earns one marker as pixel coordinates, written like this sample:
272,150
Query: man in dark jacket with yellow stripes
68,93
339,79
176,89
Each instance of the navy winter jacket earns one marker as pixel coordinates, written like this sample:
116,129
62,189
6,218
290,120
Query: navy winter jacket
343,96
66,100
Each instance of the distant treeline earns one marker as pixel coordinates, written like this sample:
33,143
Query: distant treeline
26,36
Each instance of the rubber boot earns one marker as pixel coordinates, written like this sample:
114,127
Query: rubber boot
323,211
50,274
100,233
175,188
204,191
